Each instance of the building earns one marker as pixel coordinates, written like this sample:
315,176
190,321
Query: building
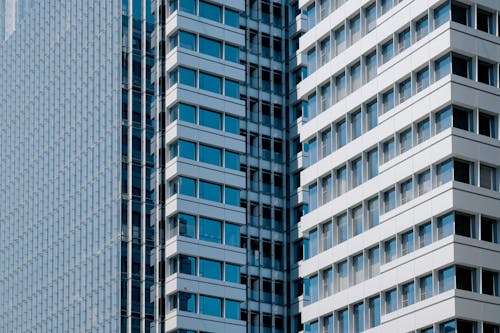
249,166
401,130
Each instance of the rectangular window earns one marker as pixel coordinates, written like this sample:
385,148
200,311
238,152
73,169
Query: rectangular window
373,261
407,242
210,269
374,311
232,309
406,191
210,191
404,91
231,18
187,149
445,225
355,29
210,119
460,13
404,40
356,173
371,66
312,148
373,213
326,96
311,16
444,172
231,196
355,125
341,134
340,42
187,186
463,171
327,236
313,289
313,243
407,294
187,40
210,83
465,278
232,160
388,101
425,285
340,87
187,76
311,106
326,143
489,283
231,88
443,120
371,115
187,225
405,141
326,189
358,317
210,11
210,230
422,79
355,76
391,301
187,113
187,302
211,306
231,53
311,61
442,67
485,21
343,321
342,276
371,17
388,150
357,220
232,273
341,181
424,234
372,163
461,66
327,282
187,265
421,28
324,49
390,253
486,73
232,234
446,278
442,14
210,47
324,8
188,6
357,267
487,125
387,51
464,225
489,230
210,155
341,228
423,130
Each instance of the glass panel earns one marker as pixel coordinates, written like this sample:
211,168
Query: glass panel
210,155
210,191
232,234
210,47
210,83
211,306
210,230
210,11
210,119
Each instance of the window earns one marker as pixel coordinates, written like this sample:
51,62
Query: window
422,79
187,186
489,230
187,149
340,42
188,6
187,76
313,243
326,96
445,225
462,118
210,119
404,40
210,11
343,321
211,306
210,230
231,88
231,18
356,173
210,191
341,134
328,324
388,150
341,228
311,106
463,171
407,294
210,47
340,86
371,115
341,181
324,50
355,28
405,141
446,279
385,5
373,212
326,143
444,172
424,234
424,182
326,189
391,301
187,113
423,130
388,101
327,282
461,66
232,234
232,273
372,163
313,288
490,328
231,196
342,276
311,16
407,242
425,285
355,77
327,236
371,17
421,28
465,278
311,61
312,148
373,261
210,155
486,73
374,311
187,265
487,125
358,317
357,220
464,225
387,51
232,160
187,302
443,120
210,269
357,267
187,40
324,8
371,66
404,91
232,309
231,53
210,83
187,225
442,67
441,14
489,282
485,21
460,13
390,250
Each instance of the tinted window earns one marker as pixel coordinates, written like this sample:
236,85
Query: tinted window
210,119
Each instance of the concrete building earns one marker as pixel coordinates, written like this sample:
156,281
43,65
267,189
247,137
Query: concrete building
249,166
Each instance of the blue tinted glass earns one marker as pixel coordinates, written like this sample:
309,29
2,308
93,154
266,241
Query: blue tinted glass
390,250
426,287
137,9
445,225
210,11
446,279
313,288
441,14
311,106
443,120
210,155
387,51
374,305
232,196
359,318
187,113
210,191
342,228
210,119
187,265
232,309
187,225
210,47
313,243
187,40
210,230
231,88
232,273
341,134
343,318
388,100
356,125
187,76
232,124
210,83
391,301
232,160
371,115
442,67
232,53
211,306
444,172
231,18
187,186
232,234
187,149
311,61
188,6
187,302
312,148
313,199
211,269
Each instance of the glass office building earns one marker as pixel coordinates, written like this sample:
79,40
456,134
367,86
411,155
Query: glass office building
249,166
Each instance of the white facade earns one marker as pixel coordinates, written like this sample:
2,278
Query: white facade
402,174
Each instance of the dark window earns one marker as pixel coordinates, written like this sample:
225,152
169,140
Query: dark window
489,230
461,66
462,171
465,278
484,21
464,225
460,13
462,119
486,73
486,125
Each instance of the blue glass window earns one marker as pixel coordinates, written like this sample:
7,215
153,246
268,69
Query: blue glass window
445,225
387,51
441,14
424,235
312,148
340,86
371,17
231,160
390,250
311,61
232,196
187,265
446,279
232,309
232,53
391,301
187,113
187,76
313,288
187,225
443,120
232,273
373,212
408,294
343,321
211,269
358,317
187,149
421,28
210,119
356,125
356,173
371,115
210,191
311,106
425,286
188,6
211,306
442,67
210,155
372,161
232,234
313,197
210,11
187,40
210,83
210,47
389,151
187,302
231,88
389,200
404,40
444,172
313,243
341,134
187,186
374,311
232,124
210,230
388,100
231,18
311,16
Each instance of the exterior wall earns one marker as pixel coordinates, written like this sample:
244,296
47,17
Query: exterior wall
60,204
